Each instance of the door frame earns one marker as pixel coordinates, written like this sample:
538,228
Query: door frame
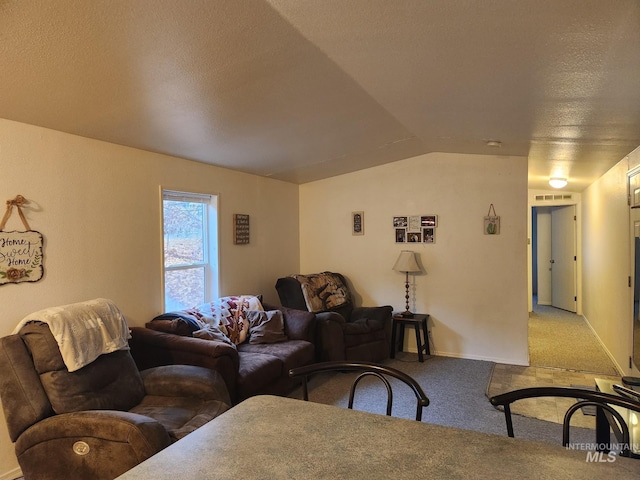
551,200
564,257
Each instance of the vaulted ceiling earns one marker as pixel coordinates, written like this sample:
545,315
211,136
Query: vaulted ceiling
301,90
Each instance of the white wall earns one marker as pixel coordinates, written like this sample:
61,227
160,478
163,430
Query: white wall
607,298
475,287
97,205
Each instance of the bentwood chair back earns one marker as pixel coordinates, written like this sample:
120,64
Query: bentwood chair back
603,401
366,369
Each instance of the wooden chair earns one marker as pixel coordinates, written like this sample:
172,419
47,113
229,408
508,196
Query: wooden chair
604,402
366,369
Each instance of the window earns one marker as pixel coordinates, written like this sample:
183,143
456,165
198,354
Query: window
190,246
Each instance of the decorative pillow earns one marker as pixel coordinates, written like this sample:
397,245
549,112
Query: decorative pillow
266,327
231,313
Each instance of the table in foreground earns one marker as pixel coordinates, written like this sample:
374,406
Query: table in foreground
281,438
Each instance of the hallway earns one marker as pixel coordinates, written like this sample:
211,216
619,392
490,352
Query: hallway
561,339
563,351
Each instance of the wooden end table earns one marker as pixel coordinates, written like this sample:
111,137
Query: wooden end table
418,322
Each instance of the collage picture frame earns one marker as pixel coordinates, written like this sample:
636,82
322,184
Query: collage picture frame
415,228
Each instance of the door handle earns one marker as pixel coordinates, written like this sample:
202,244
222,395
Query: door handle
552,261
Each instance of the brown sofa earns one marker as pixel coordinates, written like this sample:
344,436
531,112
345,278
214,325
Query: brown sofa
247,369
101,420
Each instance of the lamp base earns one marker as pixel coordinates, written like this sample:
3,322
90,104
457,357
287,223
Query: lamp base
407,314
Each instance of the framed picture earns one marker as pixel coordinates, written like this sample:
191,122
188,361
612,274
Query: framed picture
357,223
414,224
429,221
414,237
400,222
429,235
401,235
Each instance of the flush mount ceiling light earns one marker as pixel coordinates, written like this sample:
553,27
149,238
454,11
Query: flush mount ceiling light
494,143
557,182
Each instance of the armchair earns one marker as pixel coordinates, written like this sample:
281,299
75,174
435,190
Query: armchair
344,332
101,420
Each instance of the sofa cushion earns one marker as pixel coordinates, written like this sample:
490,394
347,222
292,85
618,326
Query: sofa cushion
292,353
180,415
256,371
266,327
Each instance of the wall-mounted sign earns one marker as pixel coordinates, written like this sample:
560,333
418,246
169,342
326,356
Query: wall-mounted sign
357,223
20,252
20,257
240,229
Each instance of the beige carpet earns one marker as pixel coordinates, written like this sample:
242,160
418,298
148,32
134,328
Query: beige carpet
561,339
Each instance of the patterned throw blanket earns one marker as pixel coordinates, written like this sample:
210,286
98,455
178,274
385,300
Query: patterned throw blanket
323,291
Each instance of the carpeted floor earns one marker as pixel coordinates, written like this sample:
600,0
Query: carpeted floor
561,339
457,392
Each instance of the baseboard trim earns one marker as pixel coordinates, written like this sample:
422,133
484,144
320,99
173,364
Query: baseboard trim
506,361
12,474
604,347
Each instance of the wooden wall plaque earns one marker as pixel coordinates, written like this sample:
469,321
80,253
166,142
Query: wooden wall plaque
240,229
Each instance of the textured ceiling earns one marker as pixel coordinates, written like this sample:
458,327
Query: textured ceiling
306,89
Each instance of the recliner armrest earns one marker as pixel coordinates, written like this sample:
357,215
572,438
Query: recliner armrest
330,336
151,348
145,340
128,438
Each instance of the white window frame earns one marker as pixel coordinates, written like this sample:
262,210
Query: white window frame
211,250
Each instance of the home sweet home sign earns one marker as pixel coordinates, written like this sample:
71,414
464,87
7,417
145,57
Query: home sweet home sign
21,257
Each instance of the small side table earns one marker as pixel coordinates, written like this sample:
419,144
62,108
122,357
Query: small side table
418,321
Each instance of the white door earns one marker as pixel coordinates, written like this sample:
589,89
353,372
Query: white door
563,258
543,255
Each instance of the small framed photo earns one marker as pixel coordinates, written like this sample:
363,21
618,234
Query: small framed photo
429,221
401,235
414,224
414,237
357,223
429,235
400,222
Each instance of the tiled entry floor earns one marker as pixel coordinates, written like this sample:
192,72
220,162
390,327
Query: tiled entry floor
511,377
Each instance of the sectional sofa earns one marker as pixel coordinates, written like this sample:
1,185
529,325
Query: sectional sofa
248,368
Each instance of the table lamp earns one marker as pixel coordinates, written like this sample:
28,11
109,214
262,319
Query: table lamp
407,264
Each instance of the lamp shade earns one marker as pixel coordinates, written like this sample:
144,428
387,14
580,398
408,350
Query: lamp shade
406,262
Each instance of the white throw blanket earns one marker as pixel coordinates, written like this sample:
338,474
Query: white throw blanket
85,330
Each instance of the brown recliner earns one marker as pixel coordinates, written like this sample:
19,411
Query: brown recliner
344,332
103,419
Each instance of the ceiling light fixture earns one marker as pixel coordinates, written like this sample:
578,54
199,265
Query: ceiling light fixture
557,182
494,143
